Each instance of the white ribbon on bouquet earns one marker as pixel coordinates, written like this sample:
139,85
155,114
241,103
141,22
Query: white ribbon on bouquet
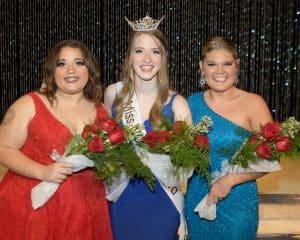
162,169
43,191
260,166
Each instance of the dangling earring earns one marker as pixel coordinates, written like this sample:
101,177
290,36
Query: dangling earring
202,81
237,79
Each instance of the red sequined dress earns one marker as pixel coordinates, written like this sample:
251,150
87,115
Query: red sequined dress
77,210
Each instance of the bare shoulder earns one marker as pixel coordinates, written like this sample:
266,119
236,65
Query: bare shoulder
21,110
253,100
257,110
109,96
111,88
110,92
14,127
181,109
179,99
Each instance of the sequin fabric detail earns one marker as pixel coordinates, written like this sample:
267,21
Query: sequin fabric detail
237,214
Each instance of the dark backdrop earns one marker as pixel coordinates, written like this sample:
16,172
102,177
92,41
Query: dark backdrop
266,33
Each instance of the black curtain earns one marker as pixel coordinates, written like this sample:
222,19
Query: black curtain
266,32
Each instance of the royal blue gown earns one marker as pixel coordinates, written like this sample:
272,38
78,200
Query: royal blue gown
139,213
237,214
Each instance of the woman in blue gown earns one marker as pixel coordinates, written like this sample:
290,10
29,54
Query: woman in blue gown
143,96
230,109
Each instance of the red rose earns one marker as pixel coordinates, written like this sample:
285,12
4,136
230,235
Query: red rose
108,125
95,127
177,127
96,144
270,131
163,136
283,144
87,131
117,136
151,138
263,150
253,139
201,141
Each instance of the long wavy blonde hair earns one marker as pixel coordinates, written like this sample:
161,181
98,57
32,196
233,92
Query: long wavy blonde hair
127,77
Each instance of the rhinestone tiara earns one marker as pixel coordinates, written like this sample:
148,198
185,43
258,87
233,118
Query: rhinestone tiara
144,24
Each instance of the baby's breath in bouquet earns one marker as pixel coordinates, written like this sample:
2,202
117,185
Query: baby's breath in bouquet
290,128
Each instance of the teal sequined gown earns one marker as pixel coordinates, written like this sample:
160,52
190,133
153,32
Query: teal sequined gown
237,214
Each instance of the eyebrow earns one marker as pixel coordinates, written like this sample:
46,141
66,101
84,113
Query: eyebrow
63,59
209,60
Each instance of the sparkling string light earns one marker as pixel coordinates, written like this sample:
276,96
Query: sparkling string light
267,36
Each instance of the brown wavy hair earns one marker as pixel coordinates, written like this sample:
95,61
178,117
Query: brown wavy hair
127,77
92,91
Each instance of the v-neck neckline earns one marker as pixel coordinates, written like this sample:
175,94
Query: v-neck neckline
57,119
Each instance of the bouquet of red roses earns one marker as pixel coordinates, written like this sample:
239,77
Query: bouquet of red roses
105,146
274,141
187,146
110,148
259,153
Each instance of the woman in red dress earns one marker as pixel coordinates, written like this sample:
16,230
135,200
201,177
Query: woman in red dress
32,128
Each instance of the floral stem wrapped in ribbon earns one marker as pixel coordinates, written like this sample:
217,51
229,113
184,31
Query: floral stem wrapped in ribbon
260,153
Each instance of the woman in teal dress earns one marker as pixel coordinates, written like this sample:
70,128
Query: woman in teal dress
143,96
230,109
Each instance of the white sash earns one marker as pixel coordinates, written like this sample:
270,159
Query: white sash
132,116
131,113
162,168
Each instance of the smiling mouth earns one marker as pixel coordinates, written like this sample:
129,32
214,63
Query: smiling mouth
146,68
71,79
220,79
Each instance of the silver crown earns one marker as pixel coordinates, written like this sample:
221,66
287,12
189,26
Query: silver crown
144,24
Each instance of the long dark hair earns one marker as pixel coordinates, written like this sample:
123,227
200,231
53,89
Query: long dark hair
92,91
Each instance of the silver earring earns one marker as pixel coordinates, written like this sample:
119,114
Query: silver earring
202,81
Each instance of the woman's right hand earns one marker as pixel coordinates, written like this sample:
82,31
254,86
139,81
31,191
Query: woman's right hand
57,172
219,190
